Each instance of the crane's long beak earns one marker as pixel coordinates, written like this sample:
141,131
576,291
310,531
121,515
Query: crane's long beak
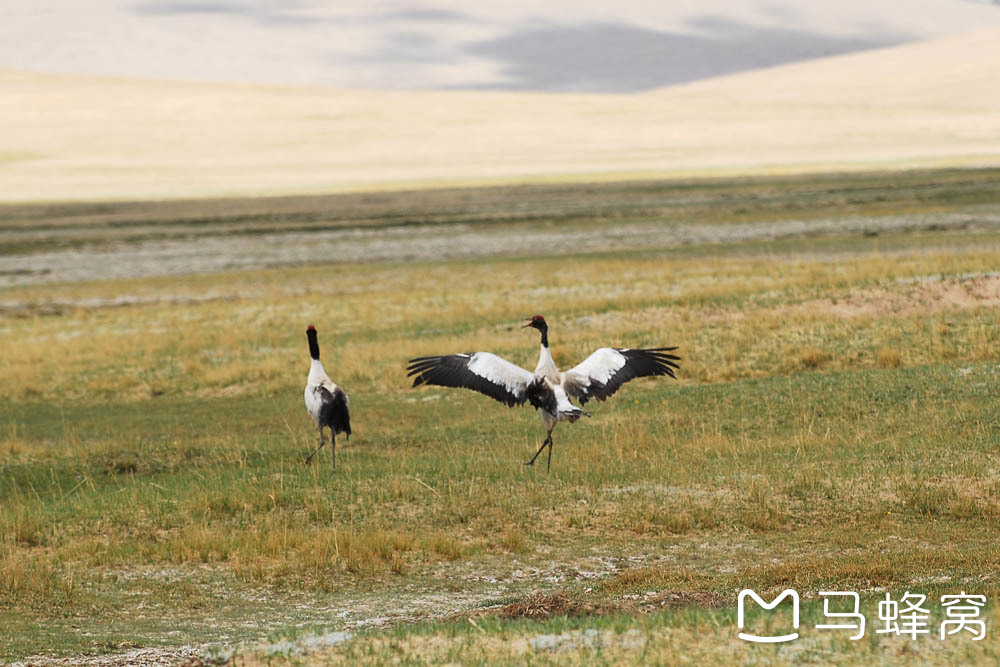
528,324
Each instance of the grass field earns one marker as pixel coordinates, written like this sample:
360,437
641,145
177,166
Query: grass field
835,425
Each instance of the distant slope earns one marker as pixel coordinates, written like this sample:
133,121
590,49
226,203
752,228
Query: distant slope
67,137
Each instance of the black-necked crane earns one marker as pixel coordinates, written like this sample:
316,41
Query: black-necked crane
549,391
326,403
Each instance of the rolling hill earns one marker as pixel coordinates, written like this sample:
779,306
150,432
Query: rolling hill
69,137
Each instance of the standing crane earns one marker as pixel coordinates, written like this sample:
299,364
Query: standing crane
547,390
326,403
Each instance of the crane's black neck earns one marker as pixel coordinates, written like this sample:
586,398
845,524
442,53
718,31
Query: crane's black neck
544,328
313,343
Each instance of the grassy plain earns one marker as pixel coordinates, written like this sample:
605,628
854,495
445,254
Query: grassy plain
835,425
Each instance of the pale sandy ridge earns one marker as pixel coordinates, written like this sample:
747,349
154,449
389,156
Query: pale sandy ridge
69,138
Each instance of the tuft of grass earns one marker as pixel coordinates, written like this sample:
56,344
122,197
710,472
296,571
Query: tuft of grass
887,357
928,499
445,546
673,519
540,605
809,484
514,540
29,581
812,358
762,509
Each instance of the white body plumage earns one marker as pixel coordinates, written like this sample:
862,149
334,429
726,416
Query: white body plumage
314,398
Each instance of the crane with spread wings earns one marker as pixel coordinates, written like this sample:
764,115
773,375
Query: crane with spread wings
547,389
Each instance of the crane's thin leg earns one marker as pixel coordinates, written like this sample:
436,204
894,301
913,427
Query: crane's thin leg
548,441
321,443
333,448
548,463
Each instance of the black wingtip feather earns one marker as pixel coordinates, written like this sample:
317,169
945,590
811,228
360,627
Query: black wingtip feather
639,363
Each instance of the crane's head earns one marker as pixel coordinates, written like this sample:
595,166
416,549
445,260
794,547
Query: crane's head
310,328
538,322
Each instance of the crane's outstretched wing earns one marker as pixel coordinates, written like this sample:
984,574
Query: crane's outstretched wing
484,372
602,373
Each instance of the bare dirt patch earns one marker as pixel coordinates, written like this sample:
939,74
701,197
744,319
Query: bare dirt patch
541,605
545,605
899,298
902,298
144,657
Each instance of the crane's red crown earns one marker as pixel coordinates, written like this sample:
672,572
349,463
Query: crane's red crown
310,328
536,318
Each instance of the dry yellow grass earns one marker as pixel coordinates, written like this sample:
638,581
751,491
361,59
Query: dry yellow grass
215,348
886,357
68,137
